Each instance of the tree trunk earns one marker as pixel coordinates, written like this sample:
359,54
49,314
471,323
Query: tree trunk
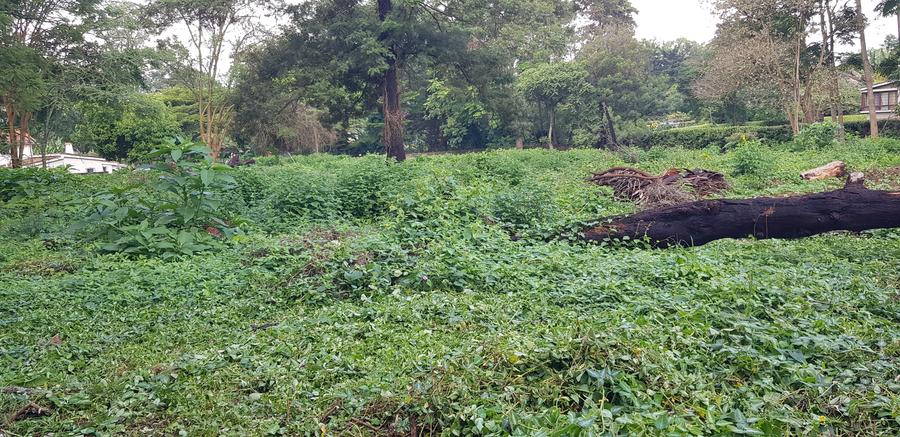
797,103
552,122
867,69
46,139
23,136
520,143
611,137
393,113
795,125
853,208
11,137
835,79
825,58
834,169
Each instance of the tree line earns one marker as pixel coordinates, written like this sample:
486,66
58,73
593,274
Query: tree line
358,76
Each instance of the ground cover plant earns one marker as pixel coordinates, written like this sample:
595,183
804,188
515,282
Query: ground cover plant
436,297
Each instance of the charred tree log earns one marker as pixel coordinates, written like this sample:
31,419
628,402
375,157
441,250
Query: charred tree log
853,208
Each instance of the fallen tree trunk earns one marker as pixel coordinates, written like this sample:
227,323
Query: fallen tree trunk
834,169
853,208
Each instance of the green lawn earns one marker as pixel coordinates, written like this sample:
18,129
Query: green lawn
371,299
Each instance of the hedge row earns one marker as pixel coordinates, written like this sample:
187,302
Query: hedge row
720,136
886,128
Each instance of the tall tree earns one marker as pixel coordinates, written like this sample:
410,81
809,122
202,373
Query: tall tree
887,8
868,74
761,46
390,94
372,63
217,32
35,34
551,84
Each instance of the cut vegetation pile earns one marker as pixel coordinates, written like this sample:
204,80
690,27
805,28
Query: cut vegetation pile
346,296
671,188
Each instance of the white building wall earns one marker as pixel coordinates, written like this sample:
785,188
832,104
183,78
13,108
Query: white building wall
80,164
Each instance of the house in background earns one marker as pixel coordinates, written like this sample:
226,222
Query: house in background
886,94
76,163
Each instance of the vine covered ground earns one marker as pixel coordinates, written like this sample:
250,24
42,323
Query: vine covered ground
433,298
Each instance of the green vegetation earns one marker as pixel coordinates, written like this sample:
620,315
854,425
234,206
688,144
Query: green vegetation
447,295
126,131
721,136
362,295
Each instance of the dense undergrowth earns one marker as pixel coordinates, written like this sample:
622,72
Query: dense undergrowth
362,298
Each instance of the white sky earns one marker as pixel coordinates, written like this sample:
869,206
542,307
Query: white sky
666,20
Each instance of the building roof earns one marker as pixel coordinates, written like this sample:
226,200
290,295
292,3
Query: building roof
889,85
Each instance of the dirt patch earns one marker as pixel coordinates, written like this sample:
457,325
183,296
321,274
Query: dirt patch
385,419
150,426
321,244
30,411
887,176
44,268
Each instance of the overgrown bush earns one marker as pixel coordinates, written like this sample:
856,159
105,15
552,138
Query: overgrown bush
631,154
268,161
816,136
302,194
501,167
178,214
752,158
361,186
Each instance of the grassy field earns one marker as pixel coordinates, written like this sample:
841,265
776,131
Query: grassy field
363,298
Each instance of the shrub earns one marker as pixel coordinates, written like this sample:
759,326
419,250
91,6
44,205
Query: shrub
501,167
268,161
630,154
752,158
816,136
634,133
249,190
179,216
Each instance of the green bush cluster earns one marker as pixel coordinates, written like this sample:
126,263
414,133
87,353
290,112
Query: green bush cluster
816,136
752,158
714,136
178,214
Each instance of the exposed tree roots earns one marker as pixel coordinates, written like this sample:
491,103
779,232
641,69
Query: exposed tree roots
671,188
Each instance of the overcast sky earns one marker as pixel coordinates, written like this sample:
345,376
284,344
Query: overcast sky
666,20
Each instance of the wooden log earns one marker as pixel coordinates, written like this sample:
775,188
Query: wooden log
853,208
834,169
